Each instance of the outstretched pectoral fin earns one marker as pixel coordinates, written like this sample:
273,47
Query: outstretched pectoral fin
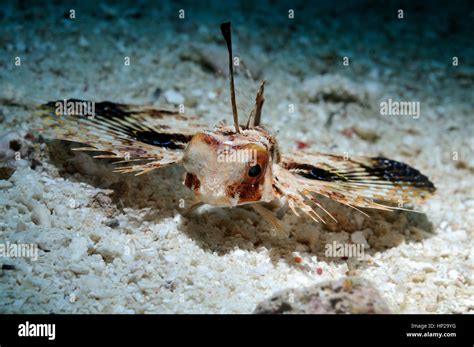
142,138
376,183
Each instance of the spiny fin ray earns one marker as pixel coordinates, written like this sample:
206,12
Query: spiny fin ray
362,182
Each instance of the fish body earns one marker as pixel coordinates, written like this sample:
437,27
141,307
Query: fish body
229,166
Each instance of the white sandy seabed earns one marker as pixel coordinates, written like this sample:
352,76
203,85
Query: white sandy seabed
118,244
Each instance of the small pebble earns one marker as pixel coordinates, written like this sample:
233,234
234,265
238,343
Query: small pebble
157,94
21,226
113,223
173,97
40,216
359,237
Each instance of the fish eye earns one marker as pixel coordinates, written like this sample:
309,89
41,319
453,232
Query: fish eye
255,170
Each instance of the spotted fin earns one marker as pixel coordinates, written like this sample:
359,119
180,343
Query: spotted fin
377,183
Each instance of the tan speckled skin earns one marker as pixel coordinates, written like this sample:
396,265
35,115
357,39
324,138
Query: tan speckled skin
221,182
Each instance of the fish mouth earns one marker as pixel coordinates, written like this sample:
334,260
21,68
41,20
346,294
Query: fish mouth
216,199
210,197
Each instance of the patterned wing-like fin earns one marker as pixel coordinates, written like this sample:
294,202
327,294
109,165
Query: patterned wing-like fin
143,138
376,183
